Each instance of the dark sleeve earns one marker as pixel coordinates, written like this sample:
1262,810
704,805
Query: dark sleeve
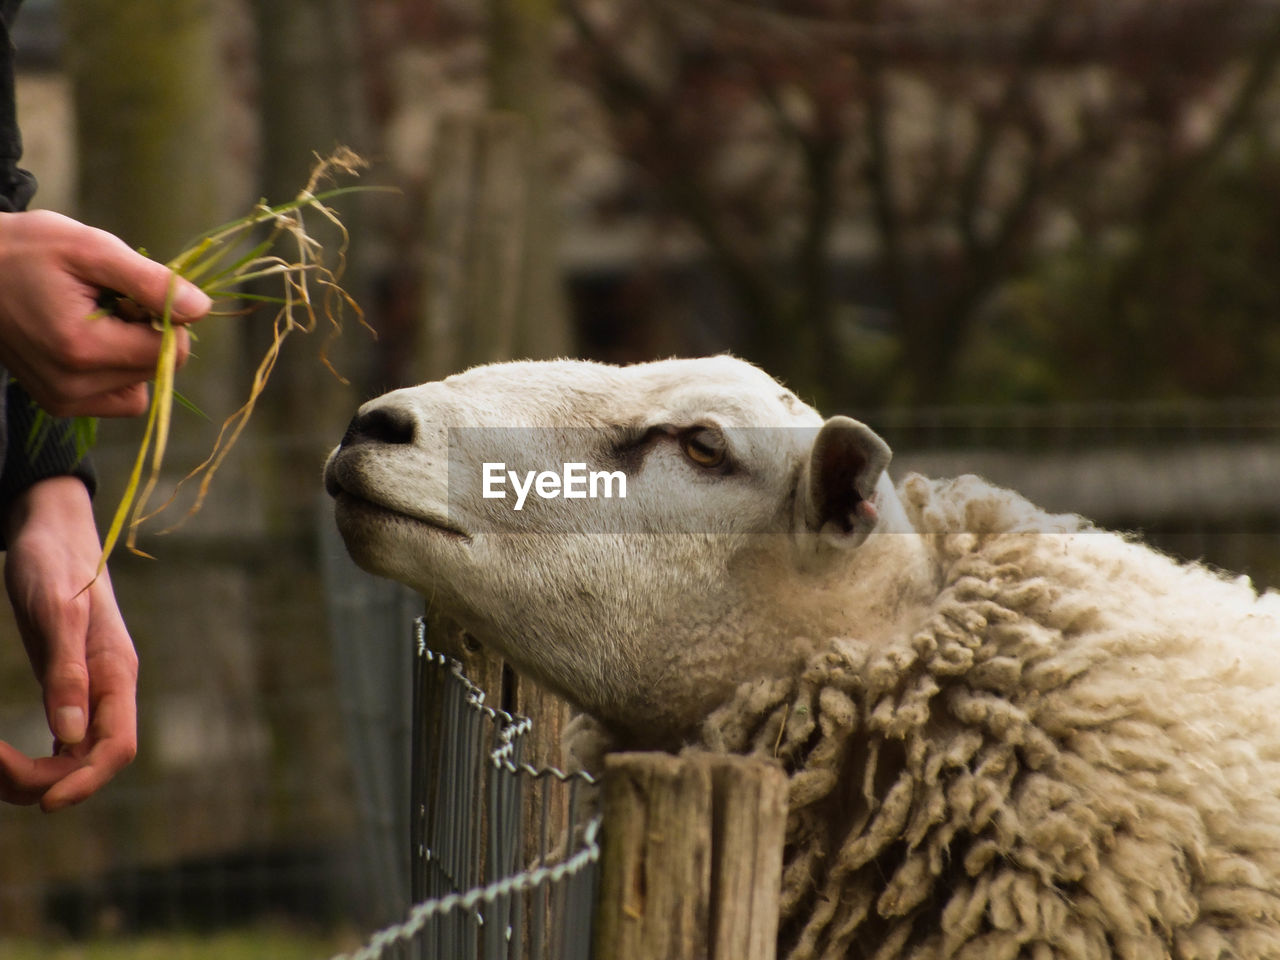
24,461
28,459
16,185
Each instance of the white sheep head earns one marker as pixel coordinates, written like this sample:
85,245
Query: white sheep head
751,532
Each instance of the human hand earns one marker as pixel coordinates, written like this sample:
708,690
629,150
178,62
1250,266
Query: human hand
52,270
78,646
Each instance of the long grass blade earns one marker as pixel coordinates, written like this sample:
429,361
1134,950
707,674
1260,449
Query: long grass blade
125,506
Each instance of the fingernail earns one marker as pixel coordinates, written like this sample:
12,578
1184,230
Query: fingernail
191,301
69,724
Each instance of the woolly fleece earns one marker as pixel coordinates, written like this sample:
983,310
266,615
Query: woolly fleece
1075,755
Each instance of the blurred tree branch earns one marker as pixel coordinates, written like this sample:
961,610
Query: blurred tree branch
1175,190
1086,118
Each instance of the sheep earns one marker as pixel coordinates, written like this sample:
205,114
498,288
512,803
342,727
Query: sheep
1007,733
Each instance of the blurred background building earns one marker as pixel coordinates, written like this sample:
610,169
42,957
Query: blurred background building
1032,240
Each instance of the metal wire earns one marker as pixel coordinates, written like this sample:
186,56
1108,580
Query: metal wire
486,884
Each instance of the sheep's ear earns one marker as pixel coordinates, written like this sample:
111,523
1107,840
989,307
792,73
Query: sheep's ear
837,487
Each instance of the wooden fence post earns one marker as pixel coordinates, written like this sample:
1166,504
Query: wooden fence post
691,858
748,826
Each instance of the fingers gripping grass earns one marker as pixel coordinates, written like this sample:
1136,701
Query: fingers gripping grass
304,279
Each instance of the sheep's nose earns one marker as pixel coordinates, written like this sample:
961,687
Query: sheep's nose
381,424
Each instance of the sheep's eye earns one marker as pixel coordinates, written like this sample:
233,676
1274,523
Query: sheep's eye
705,446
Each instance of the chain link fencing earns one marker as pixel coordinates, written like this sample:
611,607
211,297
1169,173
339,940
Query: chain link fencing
504,854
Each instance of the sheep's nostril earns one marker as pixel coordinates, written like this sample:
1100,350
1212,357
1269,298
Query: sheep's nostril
381,425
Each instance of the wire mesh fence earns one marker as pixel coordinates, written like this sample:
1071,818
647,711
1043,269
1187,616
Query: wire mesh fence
504,853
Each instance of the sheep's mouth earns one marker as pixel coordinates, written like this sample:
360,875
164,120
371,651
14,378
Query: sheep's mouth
354,505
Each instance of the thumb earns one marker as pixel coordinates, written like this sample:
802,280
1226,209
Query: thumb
110,262
66,693
147,283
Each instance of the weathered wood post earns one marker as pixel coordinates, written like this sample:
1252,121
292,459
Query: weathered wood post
691,858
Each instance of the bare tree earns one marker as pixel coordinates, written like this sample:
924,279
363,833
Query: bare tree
520,83
148,109
961,143
147,102
311,99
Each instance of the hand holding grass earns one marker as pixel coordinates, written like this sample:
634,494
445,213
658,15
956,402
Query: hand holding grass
271,244
71,357
79,361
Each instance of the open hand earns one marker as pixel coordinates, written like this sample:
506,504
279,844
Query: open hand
78,646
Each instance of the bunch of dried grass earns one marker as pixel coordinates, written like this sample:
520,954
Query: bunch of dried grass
230,264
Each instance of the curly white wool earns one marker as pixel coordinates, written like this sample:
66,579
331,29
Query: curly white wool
1075,754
